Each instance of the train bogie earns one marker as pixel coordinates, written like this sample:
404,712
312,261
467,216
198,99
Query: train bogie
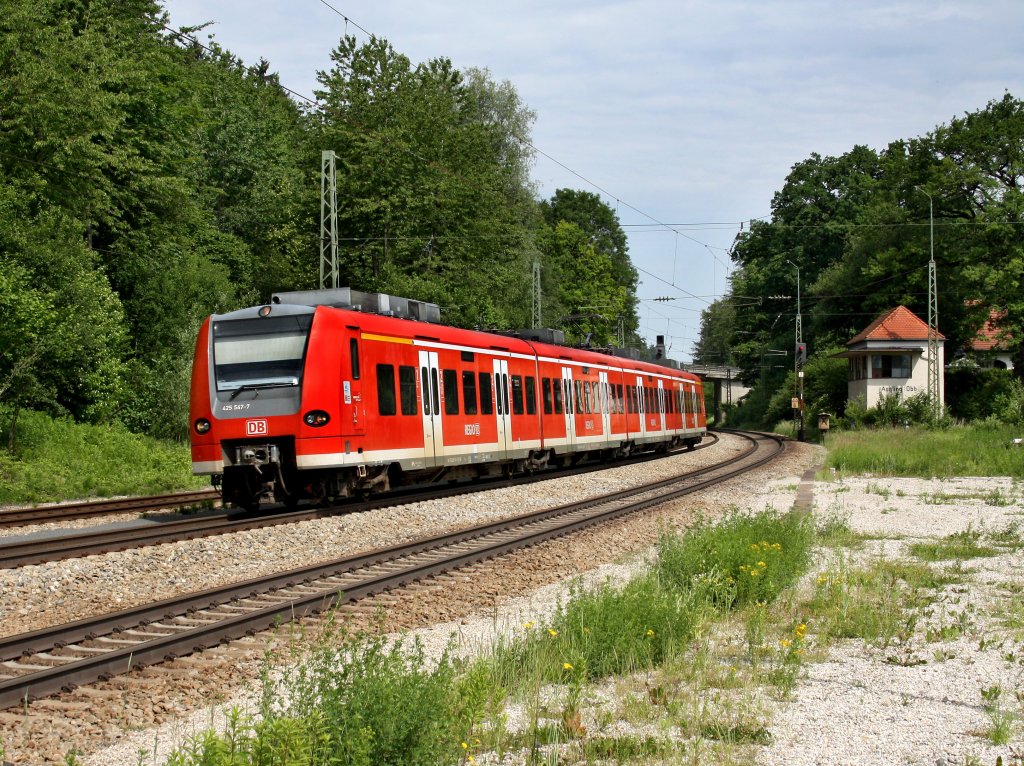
292,402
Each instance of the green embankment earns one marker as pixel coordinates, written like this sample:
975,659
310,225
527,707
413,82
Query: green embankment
57,459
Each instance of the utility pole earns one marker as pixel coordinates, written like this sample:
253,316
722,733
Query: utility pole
934,393
799,356
328,220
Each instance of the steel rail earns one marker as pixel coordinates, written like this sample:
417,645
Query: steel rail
14,517
87,542
137,637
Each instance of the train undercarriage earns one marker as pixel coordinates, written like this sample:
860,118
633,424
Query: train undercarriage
267,472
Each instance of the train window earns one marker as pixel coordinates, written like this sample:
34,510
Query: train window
577,397
451,392
407,389
531,395
556,393
469,392
504,392
353,350
467,356
545,386
434,401
517,394
588,397
386,389
425,385
497,393
486,403
618,399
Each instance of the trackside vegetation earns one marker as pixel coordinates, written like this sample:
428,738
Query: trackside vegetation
982,449
361,699
57,459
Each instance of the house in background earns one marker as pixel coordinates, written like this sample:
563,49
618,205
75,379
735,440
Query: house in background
990,347
890,356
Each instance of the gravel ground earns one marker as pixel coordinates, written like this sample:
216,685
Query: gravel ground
853,707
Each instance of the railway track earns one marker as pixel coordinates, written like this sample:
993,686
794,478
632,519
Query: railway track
46,661
17,517
38,550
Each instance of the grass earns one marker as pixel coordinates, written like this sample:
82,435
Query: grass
360,699
57,459
977,450
957,546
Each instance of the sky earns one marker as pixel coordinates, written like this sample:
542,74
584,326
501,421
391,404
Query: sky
685,116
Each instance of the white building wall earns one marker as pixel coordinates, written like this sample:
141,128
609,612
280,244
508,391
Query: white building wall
871,390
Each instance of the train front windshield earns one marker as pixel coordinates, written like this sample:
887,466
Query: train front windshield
256,353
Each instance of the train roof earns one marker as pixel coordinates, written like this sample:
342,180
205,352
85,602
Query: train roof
408,318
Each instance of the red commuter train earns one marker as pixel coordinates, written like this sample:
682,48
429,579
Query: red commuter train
323,395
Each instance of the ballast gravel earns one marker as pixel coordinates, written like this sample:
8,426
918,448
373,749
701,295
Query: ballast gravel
854,707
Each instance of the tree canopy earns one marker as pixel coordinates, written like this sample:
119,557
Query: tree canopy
149,179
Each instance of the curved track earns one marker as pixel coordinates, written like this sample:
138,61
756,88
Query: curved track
24,552
47,661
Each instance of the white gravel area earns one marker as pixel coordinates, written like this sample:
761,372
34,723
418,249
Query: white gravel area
859,706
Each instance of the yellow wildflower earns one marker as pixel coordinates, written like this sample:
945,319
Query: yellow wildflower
471,759
786,643
527,625
465,746
650,632
800,630
777,547
552,632
822,579
761,564
566,666
754,573
753,546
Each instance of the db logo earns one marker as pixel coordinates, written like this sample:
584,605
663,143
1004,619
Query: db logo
256,427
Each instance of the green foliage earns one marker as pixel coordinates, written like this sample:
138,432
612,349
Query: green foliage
57,459
984,449
976,394
742,559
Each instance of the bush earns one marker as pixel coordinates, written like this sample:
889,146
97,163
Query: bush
975,394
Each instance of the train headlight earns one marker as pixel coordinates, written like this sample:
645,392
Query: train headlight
316,418
202,426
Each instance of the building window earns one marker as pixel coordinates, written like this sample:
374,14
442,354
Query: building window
890,366
858,368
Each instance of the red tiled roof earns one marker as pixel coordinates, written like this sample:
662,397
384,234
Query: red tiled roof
989,336
899,323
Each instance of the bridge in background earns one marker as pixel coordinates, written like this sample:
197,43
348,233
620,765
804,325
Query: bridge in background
726,381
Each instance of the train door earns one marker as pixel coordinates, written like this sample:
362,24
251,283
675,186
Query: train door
605,405
433,438
352,392
690,416
501,405
661,402
641,404
570,408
